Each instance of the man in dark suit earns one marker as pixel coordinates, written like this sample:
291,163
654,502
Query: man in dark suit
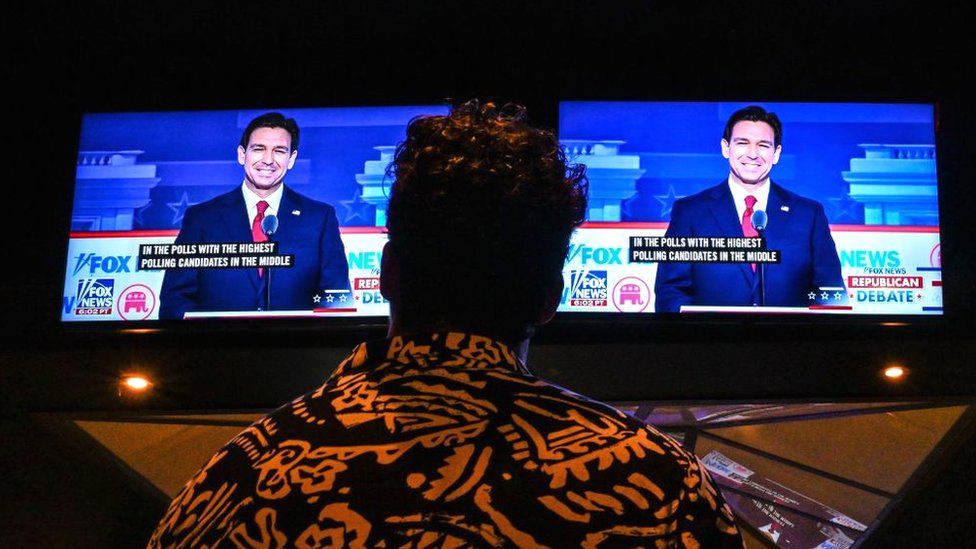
797,227
307,229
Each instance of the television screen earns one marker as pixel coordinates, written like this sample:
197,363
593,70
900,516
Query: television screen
810,208
166,223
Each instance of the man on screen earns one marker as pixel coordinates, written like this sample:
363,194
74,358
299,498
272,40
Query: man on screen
796,226
440,436
307,229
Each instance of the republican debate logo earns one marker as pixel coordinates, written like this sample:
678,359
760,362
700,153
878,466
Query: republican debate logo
631,295
136,302
935,256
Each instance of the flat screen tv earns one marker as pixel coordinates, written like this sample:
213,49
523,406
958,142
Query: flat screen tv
848,223
844,219
164,224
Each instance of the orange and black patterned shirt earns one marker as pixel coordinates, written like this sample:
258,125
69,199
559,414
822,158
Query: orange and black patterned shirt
447,440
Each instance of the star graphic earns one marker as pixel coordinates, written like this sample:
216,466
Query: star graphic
137,218
845,207
342,298
329,298
812,296
354,208
625,206
838,296
667,202
179,209
317,298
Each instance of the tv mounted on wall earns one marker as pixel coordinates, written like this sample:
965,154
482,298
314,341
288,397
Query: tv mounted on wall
849,213
850,224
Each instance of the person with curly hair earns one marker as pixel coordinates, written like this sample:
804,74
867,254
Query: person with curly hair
440,435
480,216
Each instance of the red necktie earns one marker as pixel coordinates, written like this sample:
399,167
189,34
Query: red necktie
747,229
258,234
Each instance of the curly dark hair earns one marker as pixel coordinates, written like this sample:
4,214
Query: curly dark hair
480,216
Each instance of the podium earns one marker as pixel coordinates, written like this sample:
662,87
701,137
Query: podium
739,309
317,313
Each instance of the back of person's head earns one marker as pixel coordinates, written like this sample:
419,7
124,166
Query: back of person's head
755,113
479,219
271,120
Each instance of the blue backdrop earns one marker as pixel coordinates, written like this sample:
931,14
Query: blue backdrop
678,145
142,170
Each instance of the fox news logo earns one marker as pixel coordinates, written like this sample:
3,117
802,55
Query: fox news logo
585,255
588,289
96,296
873,261
107,264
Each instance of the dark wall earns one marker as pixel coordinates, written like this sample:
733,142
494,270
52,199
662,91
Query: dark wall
65,59
115,56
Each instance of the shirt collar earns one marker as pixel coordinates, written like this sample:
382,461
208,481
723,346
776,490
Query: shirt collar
431,349
251,199
739,195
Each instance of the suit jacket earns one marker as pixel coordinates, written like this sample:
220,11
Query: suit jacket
797,227
307,229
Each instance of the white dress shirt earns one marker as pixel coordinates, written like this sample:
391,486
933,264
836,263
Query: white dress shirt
739,194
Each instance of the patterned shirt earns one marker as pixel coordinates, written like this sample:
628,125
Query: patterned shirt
447,440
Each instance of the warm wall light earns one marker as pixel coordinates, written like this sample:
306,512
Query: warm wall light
135,383
895,372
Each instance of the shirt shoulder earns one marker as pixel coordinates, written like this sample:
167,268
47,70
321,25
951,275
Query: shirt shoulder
457,444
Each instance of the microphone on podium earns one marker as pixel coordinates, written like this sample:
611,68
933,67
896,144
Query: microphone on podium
759,221
269,226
